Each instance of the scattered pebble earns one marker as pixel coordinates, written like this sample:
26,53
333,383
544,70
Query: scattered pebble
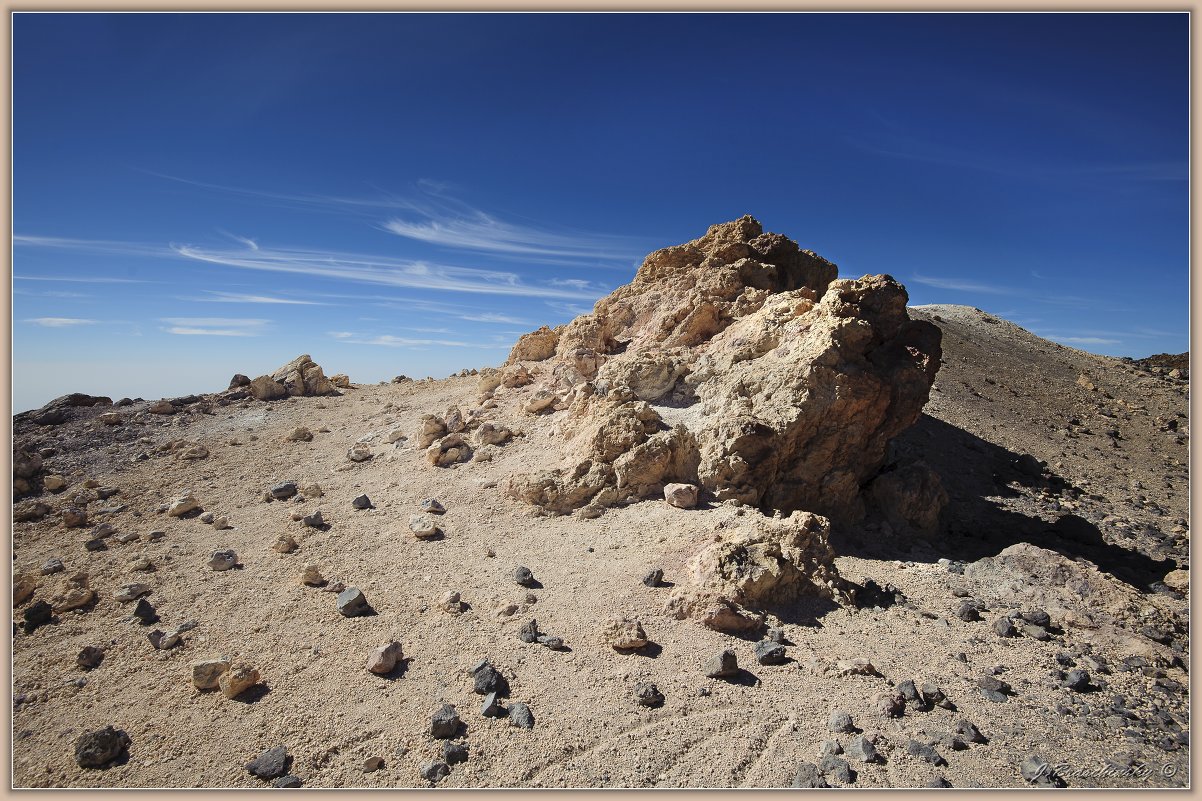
422,526
311,575
372,764
1076,680
521,716
352,603
808,776
623,633
722,665
491,708
524,577
37,614
434,772
288,781
487,679
271,764
207,672
444,724
53,566
453,753
768,652
862,749
283,491
432,506
131,592
384,659
90,657
314,520
237,680
285,544
924,752
647,694
840,722
95,749
223,560
146,613
362,502
654,578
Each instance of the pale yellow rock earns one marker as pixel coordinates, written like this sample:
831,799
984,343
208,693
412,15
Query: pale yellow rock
237,680
623,633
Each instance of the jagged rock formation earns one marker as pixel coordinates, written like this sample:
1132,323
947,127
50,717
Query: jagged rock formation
737,362
301,376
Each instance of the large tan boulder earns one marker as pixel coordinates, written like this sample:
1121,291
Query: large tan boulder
535,346
302,376
736,362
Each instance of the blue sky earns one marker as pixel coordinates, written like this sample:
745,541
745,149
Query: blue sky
202,194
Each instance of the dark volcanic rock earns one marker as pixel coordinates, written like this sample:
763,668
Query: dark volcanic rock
271,764
98,748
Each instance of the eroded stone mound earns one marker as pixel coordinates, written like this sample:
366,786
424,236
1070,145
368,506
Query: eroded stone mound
301,376
756,562
737,362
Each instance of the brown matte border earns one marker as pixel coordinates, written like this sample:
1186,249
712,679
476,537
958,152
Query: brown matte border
547,6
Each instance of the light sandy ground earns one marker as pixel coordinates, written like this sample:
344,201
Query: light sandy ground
332,714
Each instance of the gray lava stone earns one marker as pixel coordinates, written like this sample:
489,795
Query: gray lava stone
271,764
521,716
95,749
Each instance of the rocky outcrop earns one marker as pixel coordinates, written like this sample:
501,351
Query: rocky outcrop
299,377
756,562
737,362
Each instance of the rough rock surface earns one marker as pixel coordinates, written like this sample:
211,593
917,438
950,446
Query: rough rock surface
781,386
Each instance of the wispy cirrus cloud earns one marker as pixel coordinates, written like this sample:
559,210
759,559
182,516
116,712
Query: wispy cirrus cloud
378,270
390,341
236,297
1086,340
492,317
59,322
963,285
214,326
430,214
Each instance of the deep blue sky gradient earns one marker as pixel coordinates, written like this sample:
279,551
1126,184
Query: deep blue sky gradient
1034,165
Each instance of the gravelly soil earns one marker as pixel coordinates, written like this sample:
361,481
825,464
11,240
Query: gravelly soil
1119,501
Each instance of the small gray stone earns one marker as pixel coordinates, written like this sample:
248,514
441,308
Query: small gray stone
995,696
432,506
910,693
53,566
521,716
90,657
776,635
830,747
487,679
968,731
993,684
1004,627
935,697
271,764
925,752
840,722
95,749
529,631
969,610
145,612
722,665
837,768
283,491
647,694
223,560
352,603
444,723
314,520
434,772
552,642
1038,617
808,776
454,753
491,708
938,783
288,781
1076,680
1038,771
654,578
372,764
862,749
768,652
523,576
362,502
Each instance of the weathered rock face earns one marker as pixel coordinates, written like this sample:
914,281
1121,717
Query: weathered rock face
301,376
778,385
758,562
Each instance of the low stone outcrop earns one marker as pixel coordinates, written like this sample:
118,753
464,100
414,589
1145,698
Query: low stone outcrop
299,377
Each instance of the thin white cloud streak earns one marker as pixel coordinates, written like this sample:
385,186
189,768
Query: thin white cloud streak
1086,340
448,222
491,317
379,270
390,341
242,240
59,322
234,297
961,285
214,326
